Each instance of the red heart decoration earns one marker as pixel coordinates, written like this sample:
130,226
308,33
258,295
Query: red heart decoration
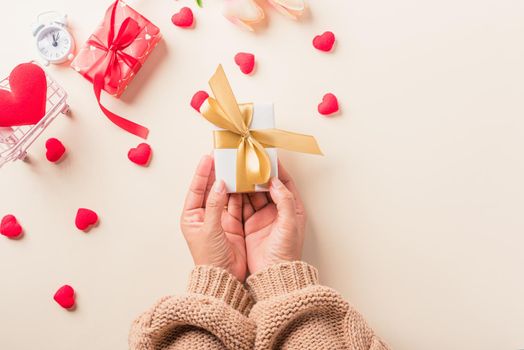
329,104
10,227
140,155
184,18
85,218
198,99
55,150
324,42
25,103
65,296
246,62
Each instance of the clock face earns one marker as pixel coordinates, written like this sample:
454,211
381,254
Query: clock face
54,44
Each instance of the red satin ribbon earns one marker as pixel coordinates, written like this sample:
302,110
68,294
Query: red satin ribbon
109,71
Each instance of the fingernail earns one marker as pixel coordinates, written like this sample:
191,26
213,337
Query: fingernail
218,186
276,182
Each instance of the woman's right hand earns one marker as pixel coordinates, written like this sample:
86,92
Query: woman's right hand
274,224
212,223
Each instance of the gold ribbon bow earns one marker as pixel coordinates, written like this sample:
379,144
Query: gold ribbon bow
253,164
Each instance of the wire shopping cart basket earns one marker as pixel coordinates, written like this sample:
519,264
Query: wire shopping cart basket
14,141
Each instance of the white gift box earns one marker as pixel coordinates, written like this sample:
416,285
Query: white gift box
226,158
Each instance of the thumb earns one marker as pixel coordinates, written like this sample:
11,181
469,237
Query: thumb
285,202
215,204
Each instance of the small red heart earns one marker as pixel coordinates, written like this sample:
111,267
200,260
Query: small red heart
246,62
324,42
25,103
184,18
55,150
65,296
329,104
85,218
10,227
198,99
140,155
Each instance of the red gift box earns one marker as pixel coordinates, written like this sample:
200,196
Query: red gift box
114,53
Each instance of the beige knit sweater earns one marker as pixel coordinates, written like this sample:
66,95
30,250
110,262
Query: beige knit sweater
282,307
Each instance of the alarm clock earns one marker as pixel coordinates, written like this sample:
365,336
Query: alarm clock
54,42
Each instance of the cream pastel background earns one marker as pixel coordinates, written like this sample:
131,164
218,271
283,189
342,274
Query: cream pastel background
416,211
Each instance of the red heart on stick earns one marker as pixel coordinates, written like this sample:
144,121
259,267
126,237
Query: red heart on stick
184,18
324,42
25,103
329,104
65,296
246,62
140,155
55,150
85,218
10,227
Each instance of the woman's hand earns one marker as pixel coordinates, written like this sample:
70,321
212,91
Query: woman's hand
274,224
212,223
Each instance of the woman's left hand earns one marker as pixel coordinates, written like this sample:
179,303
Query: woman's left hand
212,223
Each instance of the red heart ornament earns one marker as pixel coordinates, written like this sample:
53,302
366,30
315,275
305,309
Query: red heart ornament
246,62
10,227
324,42
85,218
140,155
329,104
184,18
25,103
65,296
198,99
55,150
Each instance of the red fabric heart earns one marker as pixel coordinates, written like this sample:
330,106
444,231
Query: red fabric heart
246,62
55,150
329,104
65,296
140,155
10,227
184,18
25,103
198,99
324,42
85,218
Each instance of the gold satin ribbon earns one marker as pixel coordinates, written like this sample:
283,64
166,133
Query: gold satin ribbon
253,164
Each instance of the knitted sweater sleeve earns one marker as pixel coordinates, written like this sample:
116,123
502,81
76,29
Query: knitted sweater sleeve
212,315
292,311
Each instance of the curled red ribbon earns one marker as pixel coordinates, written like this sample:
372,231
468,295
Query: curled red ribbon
109,69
